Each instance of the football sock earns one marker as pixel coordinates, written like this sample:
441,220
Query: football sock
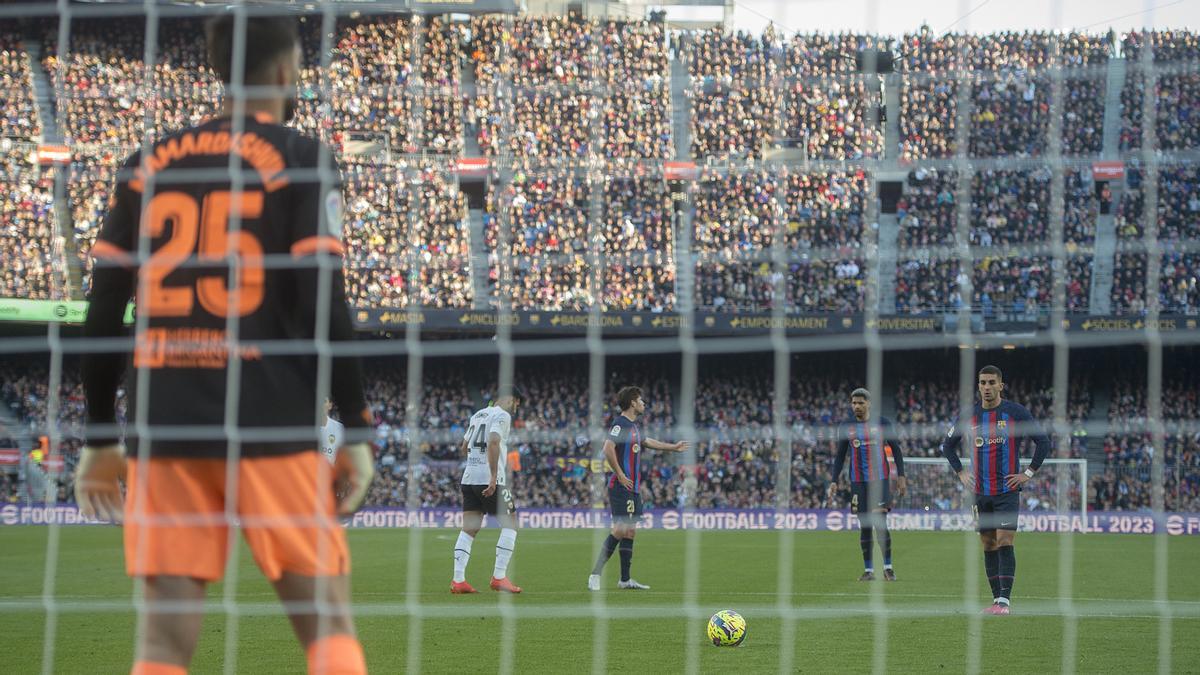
462,555
339,654
864,539
156,668
991,565
626,558
606,551
885,543
504,551
1008,570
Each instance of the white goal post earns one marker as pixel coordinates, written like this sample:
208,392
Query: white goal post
1059,486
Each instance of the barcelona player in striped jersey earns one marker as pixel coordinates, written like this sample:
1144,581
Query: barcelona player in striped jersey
870,474
998,428
623,451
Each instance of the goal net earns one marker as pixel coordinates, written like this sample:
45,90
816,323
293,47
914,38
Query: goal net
933,488
749,227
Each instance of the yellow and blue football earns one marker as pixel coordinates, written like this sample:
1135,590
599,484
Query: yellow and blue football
727,628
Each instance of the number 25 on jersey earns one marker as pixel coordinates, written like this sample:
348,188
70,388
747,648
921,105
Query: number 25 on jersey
203,230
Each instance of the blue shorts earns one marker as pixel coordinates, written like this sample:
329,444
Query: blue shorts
626,506
863,491
997,512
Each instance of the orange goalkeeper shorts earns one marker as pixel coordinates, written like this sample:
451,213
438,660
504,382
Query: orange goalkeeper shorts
176,524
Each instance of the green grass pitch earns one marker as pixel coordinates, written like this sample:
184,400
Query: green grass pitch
1112,586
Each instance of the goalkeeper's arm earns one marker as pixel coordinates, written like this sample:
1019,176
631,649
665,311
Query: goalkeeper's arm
102,461
356,460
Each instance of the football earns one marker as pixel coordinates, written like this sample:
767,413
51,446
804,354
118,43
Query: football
727,628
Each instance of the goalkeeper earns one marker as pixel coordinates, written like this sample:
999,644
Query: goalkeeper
204,273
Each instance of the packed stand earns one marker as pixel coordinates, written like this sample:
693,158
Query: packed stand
392,261
928,94
549,63
1084,93
32,263
548,258
552,63
1008,208
1179,283
19,115
637,77
639,244
365,86
90,182
1178,198
832,111
734,104
1177,95
544,263
1130,452
102,95
738,454
821,217
1010,93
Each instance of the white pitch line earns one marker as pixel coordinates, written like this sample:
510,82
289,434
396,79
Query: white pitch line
1148,610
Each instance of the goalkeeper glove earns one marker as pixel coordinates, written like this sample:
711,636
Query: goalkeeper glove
98,482
355,467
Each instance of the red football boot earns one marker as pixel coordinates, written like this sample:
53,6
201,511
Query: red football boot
461,588
504,585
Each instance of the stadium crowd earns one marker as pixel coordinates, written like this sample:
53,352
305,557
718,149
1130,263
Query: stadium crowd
1178,225
739,452
733,102
552,252
542,98
1009,209
1177,91
1010,92
31,252
821,219
393,259
103,96
398,81
19,115
831,111
1129,449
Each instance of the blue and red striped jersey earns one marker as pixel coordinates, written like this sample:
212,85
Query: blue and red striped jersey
866,445
996,436
627,438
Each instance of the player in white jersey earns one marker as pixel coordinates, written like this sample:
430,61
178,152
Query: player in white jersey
332,434
485,491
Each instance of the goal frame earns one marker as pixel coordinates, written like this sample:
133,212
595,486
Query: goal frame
1080,462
